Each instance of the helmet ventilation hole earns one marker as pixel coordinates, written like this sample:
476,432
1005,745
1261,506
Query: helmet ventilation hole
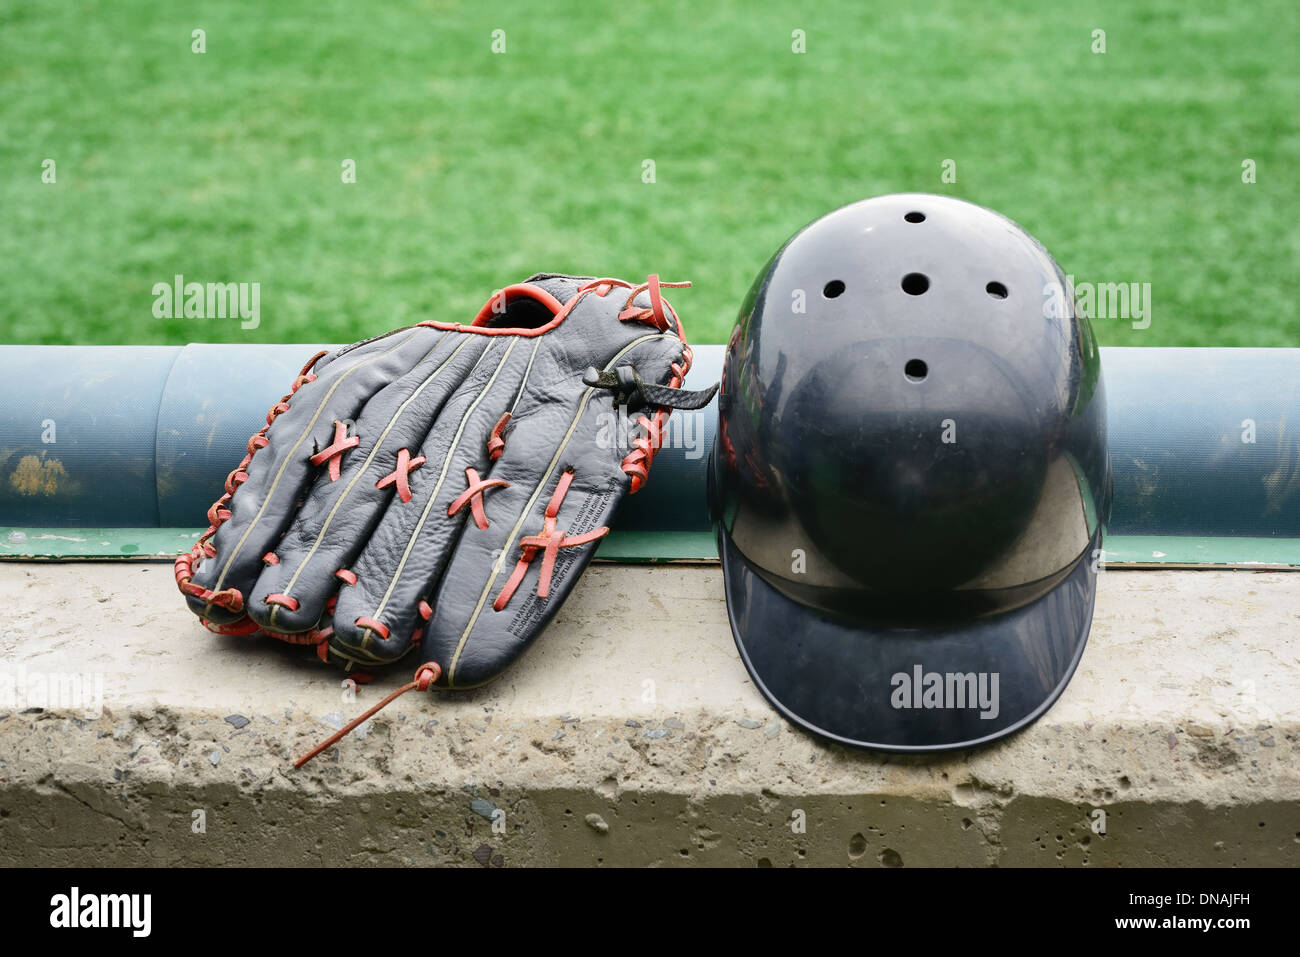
915,217
916,370
915,283
833,289
996,290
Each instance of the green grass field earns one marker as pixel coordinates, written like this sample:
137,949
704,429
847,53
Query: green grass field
475,169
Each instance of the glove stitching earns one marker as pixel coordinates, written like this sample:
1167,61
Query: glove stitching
446,463
370,458
269,497
532,501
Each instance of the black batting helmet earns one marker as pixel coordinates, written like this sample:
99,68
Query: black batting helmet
910,476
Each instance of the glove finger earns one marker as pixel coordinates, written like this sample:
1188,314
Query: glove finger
343,507
566,471
266,493
377,617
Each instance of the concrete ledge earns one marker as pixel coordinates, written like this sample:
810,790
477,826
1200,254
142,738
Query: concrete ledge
631,735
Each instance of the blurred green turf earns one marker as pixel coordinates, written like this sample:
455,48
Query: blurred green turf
476,169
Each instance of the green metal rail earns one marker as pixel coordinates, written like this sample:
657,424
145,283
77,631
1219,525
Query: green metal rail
116,452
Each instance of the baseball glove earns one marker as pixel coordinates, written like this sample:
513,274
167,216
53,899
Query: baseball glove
440,488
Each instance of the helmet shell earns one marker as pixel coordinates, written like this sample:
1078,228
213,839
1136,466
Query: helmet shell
912,423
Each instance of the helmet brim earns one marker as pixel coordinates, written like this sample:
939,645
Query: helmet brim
860,686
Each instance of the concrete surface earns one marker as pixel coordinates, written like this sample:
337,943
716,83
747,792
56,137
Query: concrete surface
630,734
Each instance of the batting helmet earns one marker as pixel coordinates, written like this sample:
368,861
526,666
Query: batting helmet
910,476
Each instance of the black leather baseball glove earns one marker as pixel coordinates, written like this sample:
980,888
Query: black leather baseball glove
439,489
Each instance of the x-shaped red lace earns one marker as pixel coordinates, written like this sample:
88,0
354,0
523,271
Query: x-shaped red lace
549,543
333,453
405,465
474,496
